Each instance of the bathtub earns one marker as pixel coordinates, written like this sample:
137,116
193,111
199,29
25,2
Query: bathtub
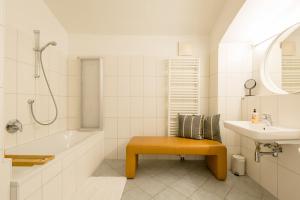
77,154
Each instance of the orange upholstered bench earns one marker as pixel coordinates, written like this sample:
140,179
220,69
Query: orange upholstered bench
215,152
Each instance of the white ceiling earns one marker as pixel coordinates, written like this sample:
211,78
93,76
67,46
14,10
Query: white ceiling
137,17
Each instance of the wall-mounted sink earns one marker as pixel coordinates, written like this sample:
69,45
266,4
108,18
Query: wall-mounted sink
261,132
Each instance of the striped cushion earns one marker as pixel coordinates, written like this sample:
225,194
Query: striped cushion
212,128
191,126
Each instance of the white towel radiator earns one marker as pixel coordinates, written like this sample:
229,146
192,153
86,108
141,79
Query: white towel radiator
184,90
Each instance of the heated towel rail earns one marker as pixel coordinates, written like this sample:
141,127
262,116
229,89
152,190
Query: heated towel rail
184,90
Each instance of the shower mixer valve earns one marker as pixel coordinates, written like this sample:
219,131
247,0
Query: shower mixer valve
14,126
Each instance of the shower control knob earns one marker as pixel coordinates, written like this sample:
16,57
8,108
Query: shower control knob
14,126
30,101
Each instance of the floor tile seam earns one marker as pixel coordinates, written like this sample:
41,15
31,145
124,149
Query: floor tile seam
229,191
147,192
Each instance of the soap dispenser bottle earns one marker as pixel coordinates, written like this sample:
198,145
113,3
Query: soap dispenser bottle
254,117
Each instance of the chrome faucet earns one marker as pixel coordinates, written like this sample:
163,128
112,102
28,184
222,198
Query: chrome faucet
267,119
14,126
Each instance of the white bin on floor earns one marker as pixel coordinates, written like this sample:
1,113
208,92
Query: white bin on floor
238,163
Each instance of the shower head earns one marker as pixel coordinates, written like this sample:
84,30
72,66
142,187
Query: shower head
52,43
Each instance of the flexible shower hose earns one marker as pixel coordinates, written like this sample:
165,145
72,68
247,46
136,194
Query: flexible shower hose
31,101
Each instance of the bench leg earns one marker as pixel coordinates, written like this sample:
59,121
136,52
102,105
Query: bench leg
131,164
217,165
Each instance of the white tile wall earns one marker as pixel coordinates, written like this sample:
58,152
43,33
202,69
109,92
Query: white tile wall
278,175
20,85
135,100
229,71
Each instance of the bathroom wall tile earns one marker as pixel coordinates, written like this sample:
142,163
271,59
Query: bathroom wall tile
11,38
53,169
149,86
30,186
162,107
41,107
123,87
41,131
2,70
244,108
203,86
10,78
110,86
123,107
222,108
41,87
213,86
204,106
10,140
74,87
233,108
162,68
290,158
212,105
23,112
63,107
73,123
161,127
110,148
26,135
288,184
110,127
149,107
252,168
25,80
110,107
253,102
52,190
25,45
69,181
161,86
110,64
136,107
150,127
74,68
123,128
73,107
62,84
268,172
37,195
20,86
150,64
247,143
122,148
136,127
289,110
9,107
124,63
53,78
136,86
232,138
55,126
234,86
269,105
136,68
222,87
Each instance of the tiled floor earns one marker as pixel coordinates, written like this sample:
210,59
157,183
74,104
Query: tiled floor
176,180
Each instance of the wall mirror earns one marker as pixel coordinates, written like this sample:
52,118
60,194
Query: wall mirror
281,69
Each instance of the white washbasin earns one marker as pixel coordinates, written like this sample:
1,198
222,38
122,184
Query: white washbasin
261,132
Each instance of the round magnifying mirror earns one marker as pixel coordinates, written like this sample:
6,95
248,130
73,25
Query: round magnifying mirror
249,85
281,70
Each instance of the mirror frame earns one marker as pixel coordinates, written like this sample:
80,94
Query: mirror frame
264,75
